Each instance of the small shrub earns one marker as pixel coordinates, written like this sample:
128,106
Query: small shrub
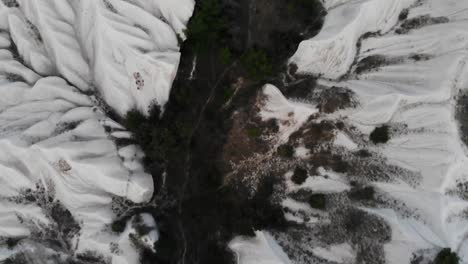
317,201
285,151
257,64
380,134
362,193
134,119
299,176
446,256
118,226
254,132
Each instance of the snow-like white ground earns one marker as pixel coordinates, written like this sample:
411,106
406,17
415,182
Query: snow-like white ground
72,57
105,45
414,92
262,249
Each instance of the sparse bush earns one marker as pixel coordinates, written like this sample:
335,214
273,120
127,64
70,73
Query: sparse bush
380,134
257,64
446,256
299,176
317,201
285,151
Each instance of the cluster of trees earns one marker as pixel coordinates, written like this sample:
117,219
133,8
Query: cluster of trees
446,256
207,26
207,32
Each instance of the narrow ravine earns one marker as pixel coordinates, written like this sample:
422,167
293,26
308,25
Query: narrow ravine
197,213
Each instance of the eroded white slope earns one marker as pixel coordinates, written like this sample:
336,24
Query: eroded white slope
128,52
329,53
416,94
59,61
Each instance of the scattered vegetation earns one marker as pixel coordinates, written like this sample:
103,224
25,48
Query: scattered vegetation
380,134
446,256
299,176
317,201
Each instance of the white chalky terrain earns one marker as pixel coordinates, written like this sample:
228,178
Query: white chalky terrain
62,64
413,89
